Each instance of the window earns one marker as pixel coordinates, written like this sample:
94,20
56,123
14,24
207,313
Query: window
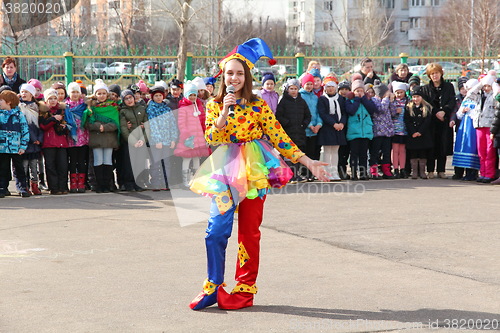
302,26
328,5
302,5
417,3
435,3
404,4
294,17
403,26
415,22
114,4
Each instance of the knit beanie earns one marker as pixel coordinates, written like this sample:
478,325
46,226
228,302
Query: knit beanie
396,85
199,83
292,82
58,85
125,93
175,83
115,88
142,86
99,84
83,88
190,89
268,76
345,85
5,87
161,83
358,84
380,88
307,78
416,90
461,82
49,93
414,79
470,83
35,83
329,82
356,76
29,88
157,89
73,86
210,80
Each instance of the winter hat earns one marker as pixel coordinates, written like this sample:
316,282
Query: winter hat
58,85
414,79
190,89
380,88
470,83
157,89
268,76
73,86
125,93
5,87
368,86
83,88
49,93
99,84
416,90
29,88
461,81
199,83
315,72
489,79
356,76
142,86
115,88
35,83
396,85
329,81
358,84
162,84
176,84
292,82
307,78
210,80
345,85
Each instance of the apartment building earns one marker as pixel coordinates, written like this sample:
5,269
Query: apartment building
337,23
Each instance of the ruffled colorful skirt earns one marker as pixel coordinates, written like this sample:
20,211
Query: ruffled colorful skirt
236,171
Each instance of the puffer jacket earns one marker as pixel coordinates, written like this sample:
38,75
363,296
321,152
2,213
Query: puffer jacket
486,113
359,122
383,126
55,135
138,117
312,102
294,115
14,132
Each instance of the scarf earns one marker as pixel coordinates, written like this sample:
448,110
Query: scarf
30,113
71,115
156,109
10,82
334,104
105,112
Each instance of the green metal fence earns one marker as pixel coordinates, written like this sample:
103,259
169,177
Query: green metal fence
50,63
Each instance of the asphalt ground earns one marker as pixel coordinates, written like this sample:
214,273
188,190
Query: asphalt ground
368,256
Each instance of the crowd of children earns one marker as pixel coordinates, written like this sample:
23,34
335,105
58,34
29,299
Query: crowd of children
153,137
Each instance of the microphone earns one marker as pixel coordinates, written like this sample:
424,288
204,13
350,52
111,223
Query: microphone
230,90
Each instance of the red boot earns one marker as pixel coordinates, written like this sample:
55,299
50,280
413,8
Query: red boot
34,188
238,299
73,181
80,182
386,170
374,172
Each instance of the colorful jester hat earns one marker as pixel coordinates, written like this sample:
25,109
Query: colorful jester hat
249,52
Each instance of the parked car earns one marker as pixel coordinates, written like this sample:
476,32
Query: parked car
170,67
451,70
118,68
45,68
146,67
284,70
94,68
488,64
416,68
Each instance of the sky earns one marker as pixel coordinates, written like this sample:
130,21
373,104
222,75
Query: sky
272,8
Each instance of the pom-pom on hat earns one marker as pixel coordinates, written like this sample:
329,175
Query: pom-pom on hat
73,86
380,88
356,76
396,85
190,89
268,76
142,86
49,93
307,78
99,84
358,84
35,83
29,88
249,52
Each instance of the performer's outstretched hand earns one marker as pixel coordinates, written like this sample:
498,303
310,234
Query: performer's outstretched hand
316,167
